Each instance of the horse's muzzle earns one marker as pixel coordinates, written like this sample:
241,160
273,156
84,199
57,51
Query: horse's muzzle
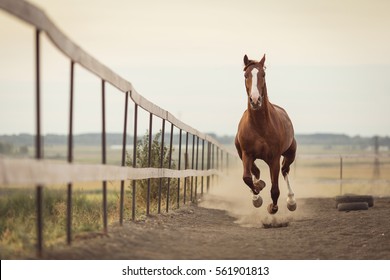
256,105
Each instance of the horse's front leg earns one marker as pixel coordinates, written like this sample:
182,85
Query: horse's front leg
274,170
247,176
256,187
259,184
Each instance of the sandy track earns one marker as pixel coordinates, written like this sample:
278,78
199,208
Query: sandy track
225,225
202,233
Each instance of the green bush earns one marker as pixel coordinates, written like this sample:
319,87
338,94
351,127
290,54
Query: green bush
142,161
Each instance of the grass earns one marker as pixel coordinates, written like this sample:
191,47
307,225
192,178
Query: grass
18,212
18,218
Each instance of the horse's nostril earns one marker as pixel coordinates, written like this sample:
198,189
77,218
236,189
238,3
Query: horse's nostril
253,102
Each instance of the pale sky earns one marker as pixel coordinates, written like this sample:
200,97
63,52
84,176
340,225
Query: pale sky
328,62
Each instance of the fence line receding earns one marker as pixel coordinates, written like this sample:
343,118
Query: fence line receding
210,161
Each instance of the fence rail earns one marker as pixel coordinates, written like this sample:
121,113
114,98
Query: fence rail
45,172
40,172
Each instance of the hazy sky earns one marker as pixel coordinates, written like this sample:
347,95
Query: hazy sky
328,62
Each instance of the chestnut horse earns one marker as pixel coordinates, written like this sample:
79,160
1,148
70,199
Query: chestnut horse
265,132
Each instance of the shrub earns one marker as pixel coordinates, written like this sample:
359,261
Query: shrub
155,161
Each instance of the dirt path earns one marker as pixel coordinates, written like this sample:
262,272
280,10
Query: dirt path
225,225
202,233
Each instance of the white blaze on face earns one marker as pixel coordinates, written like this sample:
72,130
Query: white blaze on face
255,94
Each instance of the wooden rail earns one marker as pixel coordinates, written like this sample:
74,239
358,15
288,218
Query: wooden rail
46,172
40,172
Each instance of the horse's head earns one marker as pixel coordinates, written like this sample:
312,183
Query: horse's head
255,81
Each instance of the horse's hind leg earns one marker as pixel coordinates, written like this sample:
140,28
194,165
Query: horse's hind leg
274,170
288,158
291,203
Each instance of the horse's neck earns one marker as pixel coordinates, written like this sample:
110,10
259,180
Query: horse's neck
261,117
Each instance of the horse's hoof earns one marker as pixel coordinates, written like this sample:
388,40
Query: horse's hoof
291,207
272,209
259,184
257,201
291,203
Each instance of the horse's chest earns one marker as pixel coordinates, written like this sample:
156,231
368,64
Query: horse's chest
260,148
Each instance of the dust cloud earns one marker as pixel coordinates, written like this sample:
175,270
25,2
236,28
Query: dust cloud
231,194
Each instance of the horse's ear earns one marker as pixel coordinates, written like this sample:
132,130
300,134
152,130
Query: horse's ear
262,60
246,60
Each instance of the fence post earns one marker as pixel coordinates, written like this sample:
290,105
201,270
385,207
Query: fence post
222,160
202,179
178,168
227,163
192,166
133,208
38,144
196,167
70,159
217,158
185,167
39,202
161,164
169,166
208,164
104,159
212,162
149,162
341,175
122,193
38,137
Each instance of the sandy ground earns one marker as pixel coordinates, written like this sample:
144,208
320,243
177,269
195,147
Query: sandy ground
225,225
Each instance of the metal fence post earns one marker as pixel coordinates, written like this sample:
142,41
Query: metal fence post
192,166
38,136
38,145
185,167
104,159
70,159
178,168
161,164
149,162
208,164
196,167
222,160
341,175
201,188
122,192
169,166
134,183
